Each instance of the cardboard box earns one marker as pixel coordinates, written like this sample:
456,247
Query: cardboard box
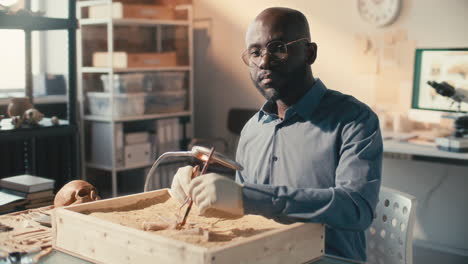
137,154
101,241
137,138
120,10
136,60
173,2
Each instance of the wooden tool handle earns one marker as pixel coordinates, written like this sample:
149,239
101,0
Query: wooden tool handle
195,171
205,167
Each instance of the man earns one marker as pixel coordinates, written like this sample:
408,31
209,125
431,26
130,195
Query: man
310,154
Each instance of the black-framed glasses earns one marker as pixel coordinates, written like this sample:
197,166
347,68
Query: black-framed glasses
277,50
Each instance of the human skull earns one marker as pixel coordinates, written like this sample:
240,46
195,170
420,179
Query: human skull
75,192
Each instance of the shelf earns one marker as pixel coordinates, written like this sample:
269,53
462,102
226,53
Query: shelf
107,70
81,4
8,132
51,99
108,168
139,166
132,22
136,118
27,22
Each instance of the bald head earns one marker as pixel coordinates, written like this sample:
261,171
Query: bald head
279,54
291,23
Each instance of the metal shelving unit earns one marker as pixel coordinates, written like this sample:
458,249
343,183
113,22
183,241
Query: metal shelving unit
121,70
130,21
109,23
138,118
31,135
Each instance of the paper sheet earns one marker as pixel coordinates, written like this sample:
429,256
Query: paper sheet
365,55
388,86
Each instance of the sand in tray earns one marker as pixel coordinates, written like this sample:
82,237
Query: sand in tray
163,210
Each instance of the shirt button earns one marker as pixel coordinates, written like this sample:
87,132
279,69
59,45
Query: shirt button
275,158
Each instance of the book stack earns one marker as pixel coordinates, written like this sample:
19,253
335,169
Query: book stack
25,192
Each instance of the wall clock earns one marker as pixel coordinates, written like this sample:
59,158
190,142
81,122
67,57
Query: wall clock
379,12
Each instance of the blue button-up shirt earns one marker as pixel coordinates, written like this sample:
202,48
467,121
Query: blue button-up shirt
322,163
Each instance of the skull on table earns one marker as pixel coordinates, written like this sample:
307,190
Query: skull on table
75,192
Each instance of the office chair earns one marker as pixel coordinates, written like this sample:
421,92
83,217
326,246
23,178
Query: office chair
236,119
390,237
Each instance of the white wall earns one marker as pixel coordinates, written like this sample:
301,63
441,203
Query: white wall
222,82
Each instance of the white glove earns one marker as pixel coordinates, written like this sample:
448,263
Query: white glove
213,192
180,183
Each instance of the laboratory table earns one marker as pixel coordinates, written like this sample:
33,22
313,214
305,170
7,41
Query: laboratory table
409,151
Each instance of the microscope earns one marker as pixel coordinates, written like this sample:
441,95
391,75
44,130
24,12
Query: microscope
458,142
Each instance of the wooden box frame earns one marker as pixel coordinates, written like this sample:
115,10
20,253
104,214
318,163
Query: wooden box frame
101,241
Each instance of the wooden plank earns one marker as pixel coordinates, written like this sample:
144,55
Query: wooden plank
101,241
297,243
117,201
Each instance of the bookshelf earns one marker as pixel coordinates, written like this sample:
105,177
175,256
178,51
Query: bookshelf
162,36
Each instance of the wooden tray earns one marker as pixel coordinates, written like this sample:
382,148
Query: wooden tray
101,241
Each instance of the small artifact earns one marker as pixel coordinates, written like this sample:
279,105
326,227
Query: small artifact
76,192
205,235
16,121
55,120
5,228
33,116
44,220
18,106
153,226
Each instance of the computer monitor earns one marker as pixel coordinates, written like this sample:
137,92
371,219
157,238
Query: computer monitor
449,65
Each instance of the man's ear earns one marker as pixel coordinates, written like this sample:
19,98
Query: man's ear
311,52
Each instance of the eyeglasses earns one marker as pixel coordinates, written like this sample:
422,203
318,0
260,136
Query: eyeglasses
277,50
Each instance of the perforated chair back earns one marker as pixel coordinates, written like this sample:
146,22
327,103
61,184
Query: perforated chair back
390,237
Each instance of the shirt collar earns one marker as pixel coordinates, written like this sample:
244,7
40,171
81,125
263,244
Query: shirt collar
304,107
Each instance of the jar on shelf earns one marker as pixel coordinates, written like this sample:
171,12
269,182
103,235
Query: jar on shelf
18,106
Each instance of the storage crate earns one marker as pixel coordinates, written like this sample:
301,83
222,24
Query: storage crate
165,81
166,101
137,154
131,104
126,83
120,10
136,60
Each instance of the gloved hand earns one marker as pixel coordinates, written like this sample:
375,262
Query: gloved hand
180,183
213,192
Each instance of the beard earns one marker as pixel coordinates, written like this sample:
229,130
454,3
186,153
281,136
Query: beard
287,86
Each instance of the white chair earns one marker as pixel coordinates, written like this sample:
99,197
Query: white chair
390,237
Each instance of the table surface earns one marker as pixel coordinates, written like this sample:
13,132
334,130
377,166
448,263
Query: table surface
396,146
62,258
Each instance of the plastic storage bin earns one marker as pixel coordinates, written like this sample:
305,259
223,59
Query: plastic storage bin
126,83
131,104
166,101
165,81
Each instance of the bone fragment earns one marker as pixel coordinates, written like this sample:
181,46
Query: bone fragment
206,234
153,226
